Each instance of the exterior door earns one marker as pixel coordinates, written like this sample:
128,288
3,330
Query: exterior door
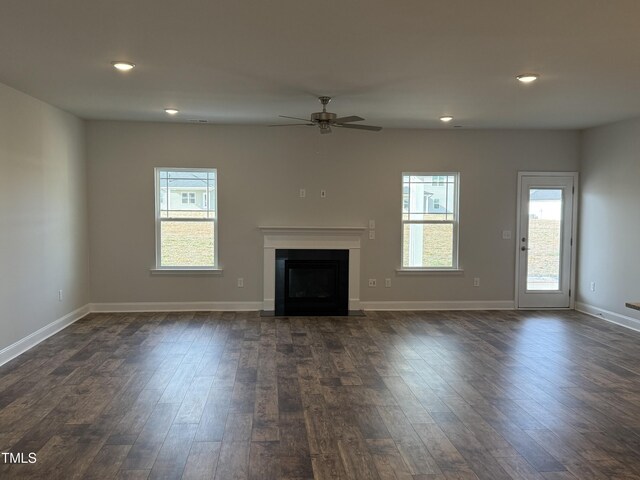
545,242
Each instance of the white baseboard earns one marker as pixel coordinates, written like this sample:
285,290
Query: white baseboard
31,340
447,305
176,307
617,318
254,306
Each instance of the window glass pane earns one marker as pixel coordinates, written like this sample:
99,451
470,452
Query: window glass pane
544,245
211,196
187,244
405,196
450,200
163,198
187,194
429,197
428,245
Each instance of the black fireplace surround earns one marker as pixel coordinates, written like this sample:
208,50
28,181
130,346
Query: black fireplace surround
312,282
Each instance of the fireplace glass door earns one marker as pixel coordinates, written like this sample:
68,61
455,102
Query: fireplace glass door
312,282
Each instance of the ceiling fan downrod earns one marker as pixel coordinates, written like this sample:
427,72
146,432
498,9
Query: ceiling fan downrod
324,101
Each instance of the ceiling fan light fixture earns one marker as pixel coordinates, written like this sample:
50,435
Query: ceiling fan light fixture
123,66
527,77
446,118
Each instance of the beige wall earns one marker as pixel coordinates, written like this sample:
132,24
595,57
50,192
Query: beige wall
610,218
260,172
43,218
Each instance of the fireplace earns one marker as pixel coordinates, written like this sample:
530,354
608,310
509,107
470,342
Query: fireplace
312,282
310,238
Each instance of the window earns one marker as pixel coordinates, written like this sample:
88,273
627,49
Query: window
430,235
188,197
186,231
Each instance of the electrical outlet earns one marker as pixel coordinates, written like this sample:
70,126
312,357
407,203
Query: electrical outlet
323,193
303,193
372,224
506,234
240,282
592,286
372,234
387,283
59,295
372,282
476,281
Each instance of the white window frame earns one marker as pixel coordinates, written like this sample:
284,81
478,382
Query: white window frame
215,268
455,222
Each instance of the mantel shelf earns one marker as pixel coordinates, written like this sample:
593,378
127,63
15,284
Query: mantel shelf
311,229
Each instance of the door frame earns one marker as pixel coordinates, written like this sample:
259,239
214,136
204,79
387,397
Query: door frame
574,236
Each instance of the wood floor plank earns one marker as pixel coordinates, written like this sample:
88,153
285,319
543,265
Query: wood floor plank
389,395
107,462
202,461
149,442
233,463
172,457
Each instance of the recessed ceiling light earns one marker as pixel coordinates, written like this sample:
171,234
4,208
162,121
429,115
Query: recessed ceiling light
123,66
171,111
527,77
446,118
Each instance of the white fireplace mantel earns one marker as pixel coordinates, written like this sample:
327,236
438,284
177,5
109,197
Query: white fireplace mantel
322,238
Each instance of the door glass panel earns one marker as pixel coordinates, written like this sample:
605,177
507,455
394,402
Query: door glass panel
545,239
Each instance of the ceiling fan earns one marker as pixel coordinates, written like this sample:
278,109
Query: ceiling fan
325,120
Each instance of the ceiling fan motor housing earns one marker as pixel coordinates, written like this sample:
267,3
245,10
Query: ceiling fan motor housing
323,117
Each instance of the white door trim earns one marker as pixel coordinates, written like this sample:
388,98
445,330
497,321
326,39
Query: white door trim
574,232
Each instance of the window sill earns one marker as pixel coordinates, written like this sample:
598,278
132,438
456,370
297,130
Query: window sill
429,271
186,271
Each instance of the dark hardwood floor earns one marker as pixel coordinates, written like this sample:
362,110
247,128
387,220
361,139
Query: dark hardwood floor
406,396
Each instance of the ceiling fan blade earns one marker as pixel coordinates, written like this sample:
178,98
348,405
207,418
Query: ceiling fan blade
295,118
325,130
292,125
352,118
362,127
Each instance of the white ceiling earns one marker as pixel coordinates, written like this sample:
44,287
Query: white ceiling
398,63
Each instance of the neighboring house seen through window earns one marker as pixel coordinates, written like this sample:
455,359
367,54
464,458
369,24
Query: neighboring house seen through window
188,197
186,218
430,220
